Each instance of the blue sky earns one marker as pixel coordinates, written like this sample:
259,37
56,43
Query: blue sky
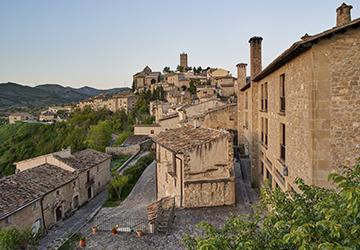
101,43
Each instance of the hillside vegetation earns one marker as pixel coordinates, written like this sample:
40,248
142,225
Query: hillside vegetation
84,129
16,95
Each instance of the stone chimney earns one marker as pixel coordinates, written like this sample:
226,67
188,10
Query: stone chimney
343,14
241,74
255,56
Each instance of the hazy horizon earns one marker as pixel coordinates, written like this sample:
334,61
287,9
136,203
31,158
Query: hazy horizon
102,44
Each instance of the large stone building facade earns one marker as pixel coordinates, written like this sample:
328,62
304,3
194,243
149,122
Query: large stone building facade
299,117
49,188
195,165
145,79
121,101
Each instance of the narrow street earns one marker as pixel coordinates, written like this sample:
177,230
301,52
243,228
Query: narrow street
64,229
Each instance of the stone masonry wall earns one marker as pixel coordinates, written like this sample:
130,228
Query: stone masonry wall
337,103
297,120
211,193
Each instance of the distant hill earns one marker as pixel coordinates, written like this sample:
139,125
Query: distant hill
16,95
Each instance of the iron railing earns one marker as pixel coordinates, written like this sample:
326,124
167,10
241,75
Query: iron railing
123,224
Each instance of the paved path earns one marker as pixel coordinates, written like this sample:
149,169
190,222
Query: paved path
134,205
185,220
64,229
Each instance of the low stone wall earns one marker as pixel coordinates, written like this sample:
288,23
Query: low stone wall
208,193
129,150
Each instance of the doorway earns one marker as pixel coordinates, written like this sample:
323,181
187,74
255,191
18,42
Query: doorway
89,191
58,213
76,202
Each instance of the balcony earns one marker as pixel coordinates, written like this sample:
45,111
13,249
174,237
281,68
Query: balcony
282,152
282,104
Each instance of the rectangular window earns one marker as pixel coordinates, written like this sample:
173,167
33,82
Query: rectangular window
246,122
262,168
282,93
264,130
88,176
246,100
268,175
8,220
262,97
282,142
266,96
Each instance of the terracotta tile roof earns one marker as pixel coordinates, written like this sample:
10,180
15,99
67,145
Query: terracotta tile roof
23,188
299,47
84,160
181,139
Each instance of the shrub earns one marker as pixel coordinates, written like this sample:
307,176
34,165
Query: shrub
314,218
13,238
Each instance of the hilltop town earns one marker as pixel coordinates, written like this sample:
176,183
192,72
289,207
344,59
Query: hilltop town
198,144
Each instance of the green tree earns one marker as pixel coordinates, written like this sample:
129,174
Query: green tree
13,238
166,69
314,218
99,135
117,187
192,87
180,68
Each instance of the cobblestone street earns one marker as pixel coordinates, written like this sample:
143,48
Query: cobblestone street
64,229
185,220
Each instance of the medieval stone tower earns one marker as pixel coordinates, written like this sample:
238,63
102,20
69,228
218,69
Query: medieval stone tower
184,60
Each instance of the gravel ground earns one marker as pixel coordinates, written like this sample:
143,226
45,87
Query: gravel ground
185,220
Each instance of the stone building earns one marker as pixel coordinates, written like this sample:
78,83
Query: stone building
217,72
47,116
20,117
226,87
221,117
195,165
206,92
49,188
145,79
299,117
177,97
122,101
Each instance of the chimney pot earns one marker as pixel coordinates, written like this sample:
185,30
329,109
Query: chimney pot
343,14
241,75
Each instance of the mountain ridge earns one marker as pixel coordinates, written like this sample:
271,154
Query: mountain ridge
17,95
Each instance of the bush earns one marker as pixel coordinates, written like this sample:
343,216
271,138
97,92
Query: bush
121,185
314,218
122,137
13,238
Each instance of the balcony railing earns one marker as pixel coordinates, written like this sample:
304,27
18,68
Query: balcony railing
282,104
282,152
